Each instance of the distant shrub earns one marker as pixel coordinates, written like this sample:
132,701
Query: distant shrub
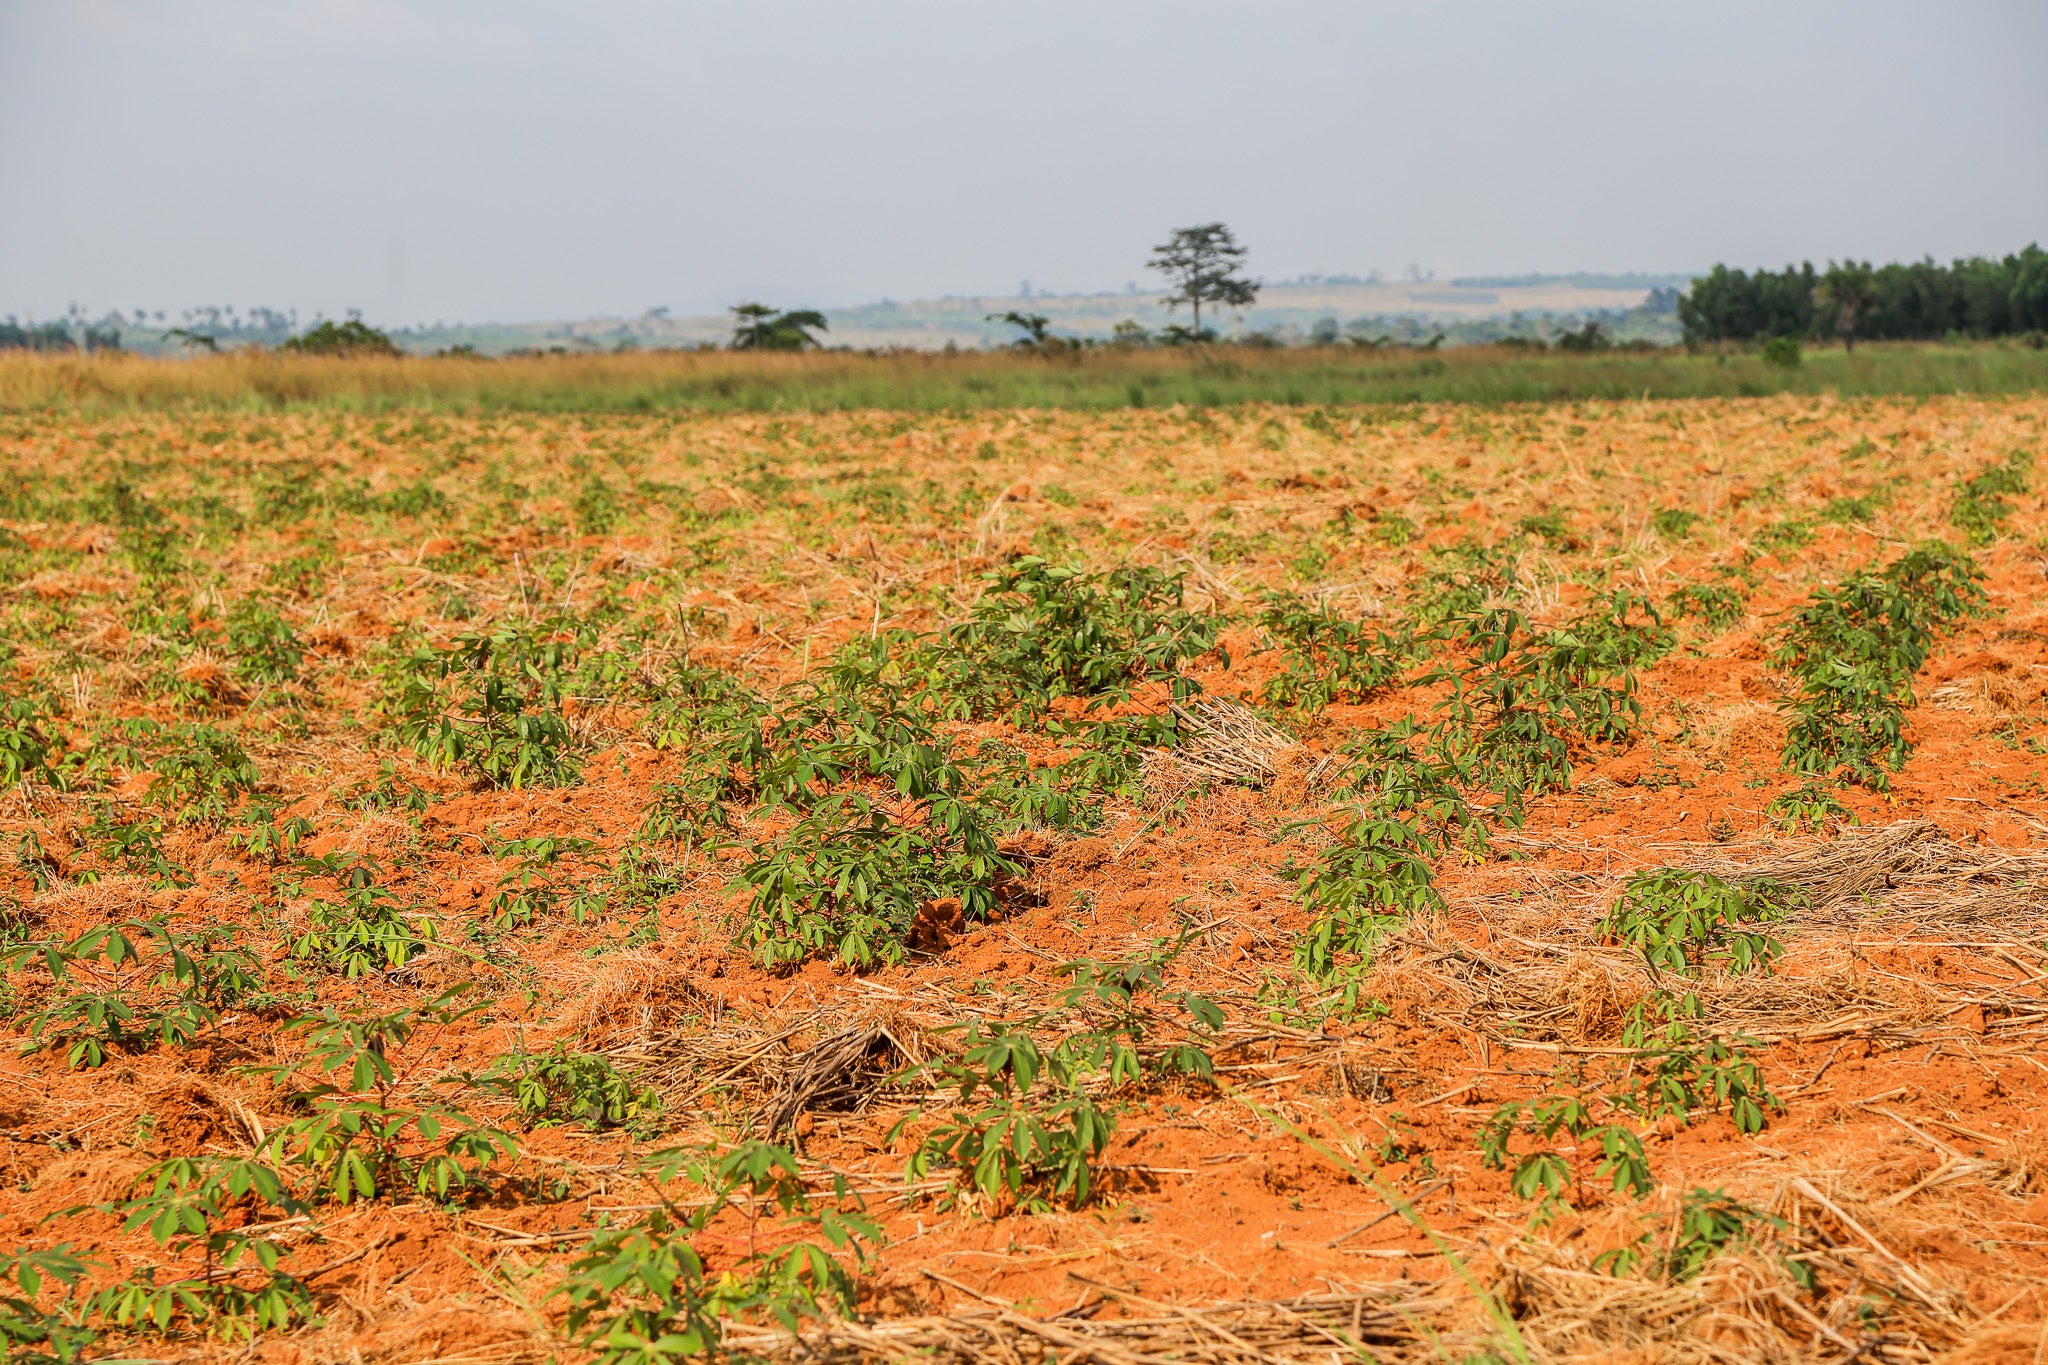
48,336
1783,352
757,327
1923,300
354,337
1591,337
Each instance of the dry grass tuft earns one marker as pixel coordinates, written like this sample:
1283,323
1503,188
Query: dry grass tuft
101,902
1911,869
630,995
1535,1298
770,1070
841,1073
1859,861
1598,994
1328,1327
1228,740
380,835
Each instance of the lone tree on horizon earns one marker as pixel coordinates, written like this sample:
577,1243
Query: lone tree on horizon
1201,264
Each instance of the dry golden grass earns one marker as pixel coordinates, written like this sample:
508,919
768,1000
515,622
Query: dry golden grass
926,381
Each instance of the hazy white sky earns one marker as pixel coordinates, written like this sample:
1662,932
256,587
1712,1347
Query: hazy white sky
514,160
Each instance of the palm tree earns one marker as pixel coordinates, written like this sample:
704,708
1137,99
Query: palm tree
1847,289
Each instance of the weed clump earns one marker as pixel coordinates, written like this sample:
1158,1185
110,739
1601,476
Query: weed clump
850,876
560,1086
197,1203
370,1126
27,736
361,928
1716,606
1027,1124
1024,1144
1687,1068
1588,1124
640,1293
1406,811
133,986
201,772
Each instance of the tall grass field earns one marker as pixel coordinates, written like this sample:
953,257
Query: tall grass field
711,381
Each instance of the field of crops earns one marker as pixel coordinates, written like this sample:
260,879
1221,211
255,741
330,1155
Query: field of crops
1492,883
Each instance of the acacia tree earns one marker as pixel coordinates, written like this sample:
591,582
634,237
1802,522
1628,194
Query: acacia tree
1035,325
757,327
1847,289
1201,264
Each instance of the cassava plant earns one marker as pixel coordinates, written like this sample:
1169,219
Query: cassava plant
200,1205
132,986
376,1129
1684,921
642,1293
1852,652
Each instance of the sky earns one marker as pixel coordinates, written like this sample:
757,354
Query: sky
515,160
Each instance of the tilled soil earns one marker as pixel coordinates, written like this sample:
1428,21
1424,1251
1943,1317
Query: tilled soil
1325,1185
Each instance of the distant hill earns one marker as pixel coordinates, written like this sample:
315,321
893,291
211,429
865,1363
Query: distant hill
1584,281
1461,310
1464,310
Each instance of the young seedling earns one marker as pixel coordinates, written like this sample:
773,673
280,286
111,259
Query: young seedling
1684,921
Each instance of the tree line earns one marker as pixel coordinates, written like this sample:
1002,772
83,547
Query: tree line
57,336
1853,300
